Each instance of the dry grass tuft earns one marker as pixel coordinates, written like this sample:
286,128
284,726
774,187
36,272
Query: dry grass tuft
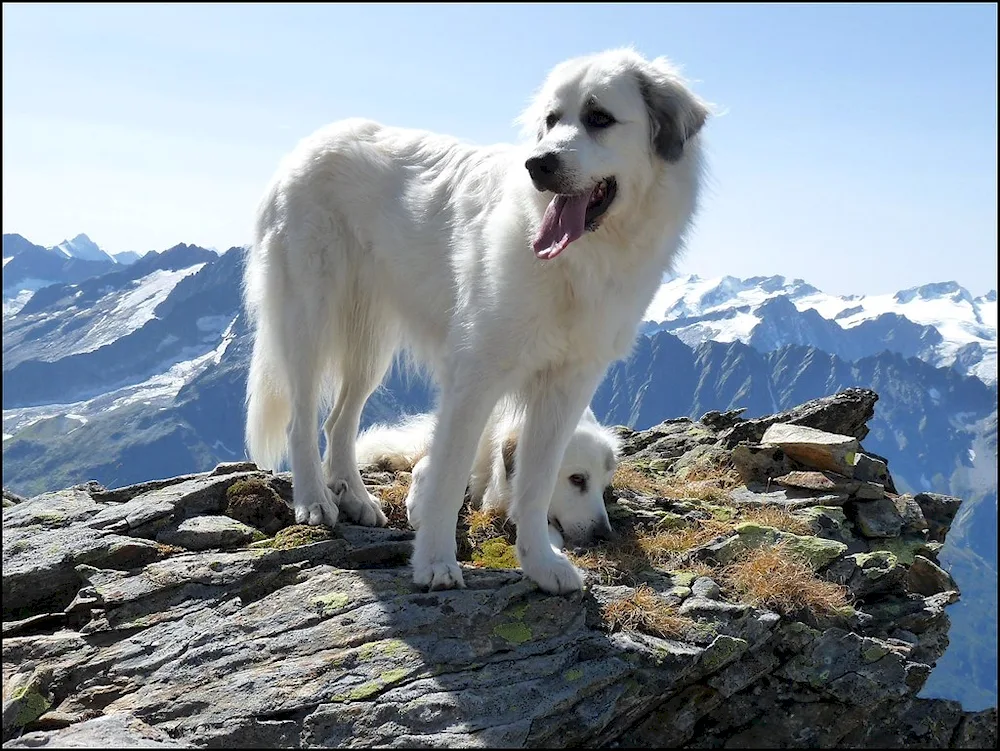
707,482
776,578
393,499
642,610
488,523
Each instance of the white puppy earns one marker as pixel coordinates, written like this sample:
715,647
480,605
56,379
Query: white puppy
576,511
506,270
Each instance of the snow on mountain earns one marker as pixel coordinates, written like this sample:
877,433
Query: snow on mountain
131,311
728,309
84,248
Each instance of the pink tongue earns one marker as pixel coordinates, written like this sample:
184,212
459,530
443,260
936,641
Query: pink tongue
562,224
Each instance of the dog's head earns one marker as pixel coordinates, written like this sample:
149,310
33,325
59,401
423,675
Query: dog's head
577,509
605,127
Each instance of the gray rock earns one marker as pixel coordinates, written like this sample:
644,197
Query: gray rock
703,586
10,498
786,498
911,514
317,637
721,420
926,578
939,511
108,731
204,532
760,464
846,413
877,518
871,469
815,448
867,574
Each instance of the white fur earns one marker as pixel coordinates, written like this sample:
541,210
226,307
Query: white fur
575,514
371,238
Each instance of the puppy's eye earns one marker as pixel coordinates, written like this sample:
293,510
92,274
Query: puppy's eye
579,481
599,119
551,120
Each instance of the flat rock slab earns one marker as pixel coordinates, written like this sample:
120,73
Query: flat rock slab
205,532
786,498
815,448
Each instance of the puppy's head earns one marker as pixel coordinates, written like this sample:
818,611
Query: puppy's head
577,509
604,128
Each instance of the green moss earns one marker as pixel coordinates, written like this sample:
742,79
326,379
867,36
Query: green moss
573,675
722,650
387,647
392,676
817,551
513,633
295,537
30,705
682,578
904,548
365,690
495,553
329,603
873,652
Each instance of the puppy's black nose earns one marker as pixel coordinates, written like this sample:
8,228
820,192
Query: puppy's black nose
603,531
542,168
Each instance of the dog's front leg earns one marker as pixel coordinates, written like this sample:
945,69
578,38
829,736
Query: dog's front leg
556,400
439,481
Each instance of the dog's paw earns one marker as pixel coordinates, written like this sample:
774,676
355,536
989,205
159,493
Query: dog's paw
438,575
412,504
552,572
319,507
362,509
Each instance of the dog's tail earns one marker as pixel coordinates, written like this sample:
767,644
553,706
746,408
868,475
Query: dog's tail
396,447
268,407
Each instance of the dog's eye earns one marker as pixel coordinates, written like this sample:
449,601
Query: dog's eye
598,119
551,120
579,481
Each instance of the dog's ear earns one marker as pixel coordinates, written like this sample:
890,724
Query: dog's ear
675,113
508,449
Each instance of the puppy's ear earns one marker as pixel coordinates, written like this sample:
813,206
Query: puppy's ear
675,113
508,449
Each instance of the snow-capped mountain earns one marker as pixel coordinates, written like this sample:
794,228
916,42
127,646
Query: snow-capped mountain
82,247
940,323
28,267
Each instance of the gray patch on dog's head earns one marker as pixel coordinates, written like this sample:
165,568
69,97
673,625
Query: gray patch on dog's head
676,115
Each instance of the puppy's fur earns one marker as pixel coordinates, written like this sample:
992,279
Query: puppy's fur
576,511
506,270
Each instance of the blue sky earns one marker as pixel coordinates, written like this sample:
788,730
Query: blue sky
857,145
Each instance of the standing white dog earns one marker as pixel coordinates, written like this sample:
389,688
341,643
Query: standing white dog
576,512
371,237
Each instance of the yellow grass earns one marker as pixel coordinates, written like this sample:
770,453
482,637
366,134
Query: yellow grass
774,577
393,499
642,610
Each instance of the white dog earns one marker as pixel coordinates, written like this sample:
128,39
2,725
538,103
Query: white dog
506,270
576,512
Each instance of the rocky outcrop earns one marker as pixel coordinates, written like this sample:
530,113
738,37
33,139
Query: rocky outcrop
193,612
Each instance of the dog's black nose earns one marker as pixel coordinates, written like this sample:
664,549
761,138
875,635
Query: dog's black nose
603,531
542,168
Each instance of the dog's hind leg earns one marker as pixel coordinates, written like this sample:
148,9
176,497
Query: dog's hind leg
367,344
314,501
